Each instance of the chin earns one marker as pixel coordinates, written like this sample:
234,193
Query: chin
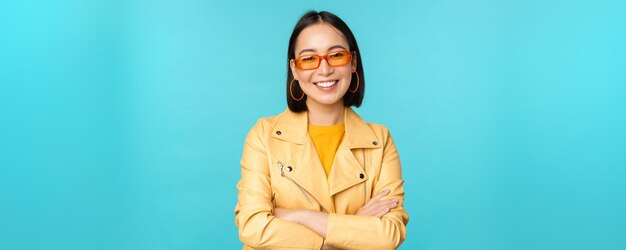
328,101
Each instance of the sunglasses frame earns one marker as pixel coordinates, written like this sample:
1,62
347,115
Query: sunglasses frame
323,57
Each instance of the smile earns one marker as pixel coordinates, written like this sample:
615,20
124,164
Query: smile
326,84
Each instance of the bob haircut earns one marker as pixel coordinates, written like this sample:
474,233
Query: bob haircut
308,19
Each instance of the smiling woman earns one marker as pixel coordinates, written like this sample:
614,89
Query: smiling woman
317,176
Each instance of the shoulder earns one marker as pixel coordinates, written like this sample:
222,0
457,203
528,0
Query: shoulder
263,128
266,123
380,131
263,125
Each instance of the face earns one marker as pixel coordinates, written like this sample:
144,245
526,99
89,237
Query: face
325,85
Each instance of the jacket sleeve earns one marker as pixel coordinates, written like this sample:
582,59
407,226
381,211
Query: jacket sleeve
369,232
258,228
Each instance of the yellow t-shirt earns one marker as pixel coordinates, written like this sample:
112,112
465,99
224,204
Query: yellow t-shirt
326,140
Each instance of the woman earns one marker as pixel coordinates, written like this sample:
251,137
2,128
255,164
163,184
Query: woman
317,176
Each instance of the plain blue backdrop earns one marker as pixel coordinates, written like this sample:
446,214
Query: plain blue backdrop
122,122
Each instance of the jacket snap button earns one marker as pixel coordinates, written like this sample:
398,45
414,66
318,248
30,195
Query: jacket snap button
361,175
278,132
375,143
289,168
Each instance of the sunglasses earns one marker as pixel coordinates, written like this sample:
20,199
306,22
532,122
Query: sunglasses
334,59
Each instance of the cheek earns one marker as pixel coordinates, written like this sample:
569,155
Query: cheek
303,77
347,76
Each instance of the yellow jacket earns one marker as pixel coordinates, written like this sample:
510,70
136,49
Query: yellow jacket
280,168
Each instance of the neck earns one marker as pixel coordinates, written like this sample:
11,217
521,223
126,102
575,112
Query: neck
325,115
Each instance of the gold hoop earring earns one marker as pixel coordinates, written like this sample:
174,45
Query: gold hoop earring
291,93
357,83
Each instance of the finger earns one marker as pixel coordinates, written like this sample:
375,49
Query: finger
376,207
375,204
383,204
394,204
382,212
387,208
379,196
386,202
371,207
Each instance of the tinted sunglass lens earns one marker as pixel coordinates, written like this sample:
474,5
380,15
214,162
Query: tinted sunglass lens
339,58
308,62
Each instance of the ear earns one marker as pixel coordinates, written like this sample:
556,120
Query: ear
292,66
354,61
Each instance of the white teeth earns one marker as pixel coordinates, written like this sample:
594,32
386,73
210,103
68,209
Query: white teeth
325,84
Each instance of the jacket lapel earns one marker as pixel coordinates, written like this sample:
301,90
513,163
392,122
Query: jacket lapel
347,171
311,175
307,170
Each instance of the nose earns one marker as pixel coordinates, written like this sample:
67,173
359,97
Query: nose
324,69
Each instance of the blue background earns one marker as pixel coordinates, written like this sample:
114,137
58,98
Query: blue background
122,122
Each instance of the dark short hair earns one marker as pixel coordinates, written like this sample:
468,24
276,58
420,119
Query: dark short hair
308,19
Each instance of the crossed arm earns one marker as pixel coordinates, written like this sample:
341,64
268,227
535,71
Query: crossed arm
318,221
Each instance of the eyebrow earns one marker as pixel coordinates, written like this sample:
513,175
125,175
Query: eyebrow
329,49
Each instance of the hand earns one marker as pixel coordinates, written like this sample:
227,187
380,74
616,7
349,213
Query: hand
287,214
377,207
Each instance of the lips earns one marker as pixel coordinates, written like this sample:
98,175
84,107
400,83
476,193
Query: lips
326,84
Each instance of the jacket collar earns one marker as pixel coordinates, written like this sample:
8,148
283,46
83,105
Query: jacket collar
292,127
